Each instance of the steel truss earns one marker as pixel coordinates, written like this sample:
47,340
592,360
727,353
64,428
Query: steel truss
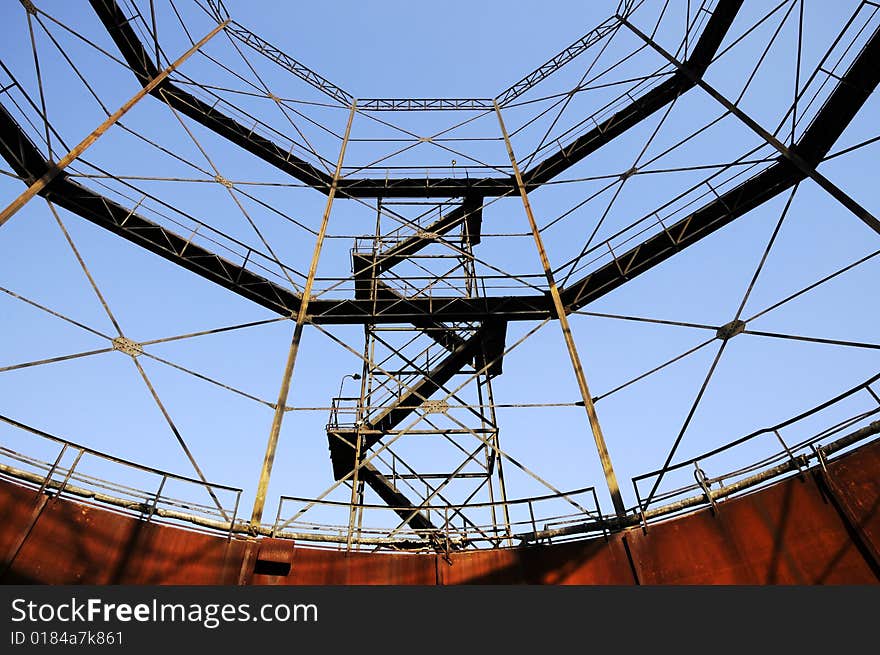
435,336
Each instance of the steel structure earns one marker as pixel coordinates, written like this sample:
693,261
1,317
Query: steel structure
438,278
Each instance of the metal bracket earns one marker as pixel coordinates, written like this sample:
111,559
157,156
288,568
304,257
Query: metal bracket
628,173
703,481
730,330
797,461
427,235
643,520
127,346
435,406
29,7
820,455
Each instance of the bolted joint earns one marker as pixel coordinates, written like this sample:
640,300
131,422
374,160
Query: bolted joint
730,330
628,174
127,346
222,180
29,7
435,407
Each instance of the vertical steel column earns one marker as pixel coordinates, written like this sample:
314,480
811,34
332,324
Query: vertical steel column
70,157
499,460
605,458
359,442
280,406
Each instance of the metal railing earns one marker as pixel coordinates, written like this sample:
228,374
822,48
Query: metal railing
67,470
458,526
788,456
81,471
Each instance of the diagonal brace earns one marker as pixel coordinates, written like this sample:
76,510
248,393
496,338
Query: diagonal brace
791,155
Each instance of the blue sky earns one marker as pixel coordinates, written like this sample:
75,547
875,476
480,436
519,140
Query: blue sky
398,49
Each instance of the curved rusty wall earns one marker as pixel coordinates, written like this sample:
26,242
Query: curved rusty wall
822,527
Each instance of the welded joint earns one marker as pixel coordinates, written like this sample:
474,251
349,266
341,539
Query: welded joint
730,330
703,481
128,347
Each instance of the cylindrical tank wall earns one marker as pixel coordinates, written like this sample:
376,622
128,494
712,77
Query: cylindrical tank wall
822,527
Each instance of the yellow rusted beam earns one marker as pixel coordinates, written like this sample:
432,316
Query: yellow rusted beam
70,157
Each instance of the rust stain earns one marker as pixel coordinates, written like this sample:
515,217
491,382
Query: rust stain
787,533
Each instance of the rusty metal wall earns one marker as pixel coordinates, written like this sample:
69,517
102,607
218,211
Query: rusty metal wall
853,484
822,527
588,562
788,533
334,567
58,541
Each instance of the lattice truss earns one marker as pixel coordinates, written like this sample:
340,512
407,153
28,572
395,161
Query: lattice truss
688,191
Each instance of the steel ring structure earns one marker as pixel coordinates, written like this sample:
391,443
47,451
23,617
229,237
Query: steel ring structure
622,307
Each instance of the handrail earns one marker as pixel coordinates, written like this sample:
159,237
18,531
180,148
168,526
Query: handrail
791,459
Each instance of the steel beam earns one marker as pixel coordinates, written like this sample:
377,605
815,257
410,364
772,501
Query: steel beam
281,404
426,104
861,78
470,212
54,169
285,61
644,106
826,127
848,97
562,317
438,331
401,505
342,443
556,62
140,62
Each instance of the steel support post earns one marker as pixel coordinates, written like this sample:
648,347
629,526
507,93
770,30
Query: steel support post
359,442
281,405
56,168
561,315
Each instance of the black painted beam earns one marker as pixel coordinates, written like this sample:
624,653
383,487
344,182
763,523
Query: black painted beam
402,506
641,108
138,59
469,212
342,441
342,456
28,162
841,106
391,417
144,68
838,110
